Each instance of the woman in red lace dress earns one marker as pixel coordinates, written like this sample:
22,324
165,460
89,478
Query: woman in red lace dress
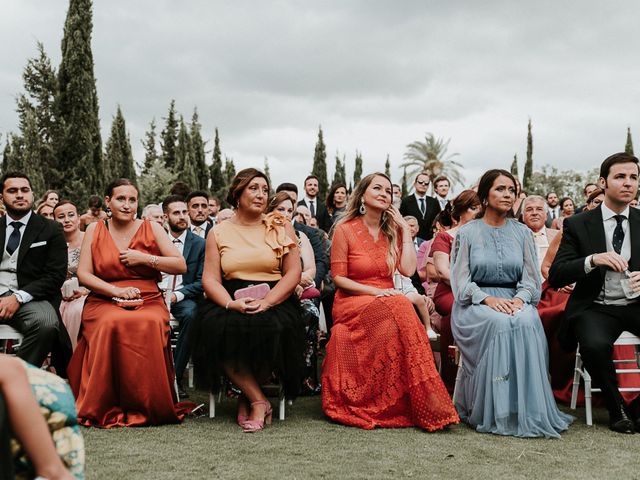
379,369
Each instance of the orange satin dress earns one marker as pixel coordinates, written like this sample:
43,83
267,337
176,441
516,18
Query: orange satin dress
379,369
122,370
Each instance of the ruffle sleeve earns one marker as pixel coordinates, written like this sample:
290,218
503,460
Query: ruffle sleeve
276,235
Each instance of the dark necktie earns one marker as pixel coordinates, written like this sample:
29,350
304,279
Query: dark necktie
312,208
177,241
14,238
422,207
618,234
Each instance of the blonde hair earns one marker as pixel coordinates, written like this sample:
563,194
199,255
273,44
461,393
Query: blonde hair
387,226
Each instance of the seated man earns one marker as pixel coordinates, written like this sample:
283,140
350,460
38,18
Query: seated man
153,213
184,290
534,216
600,251
94,213
32,269
198,205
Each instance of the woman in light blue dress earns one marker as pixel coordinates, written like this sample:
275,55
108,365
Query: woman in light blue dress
503,386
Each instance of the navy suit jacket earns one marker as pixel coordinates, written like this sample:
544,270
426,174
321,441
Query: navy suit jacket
193,253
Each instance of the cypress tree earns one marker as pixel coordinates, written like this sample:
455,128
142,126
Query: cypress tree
155,183
184,166
30,154
218,182
267,172
340,175
41,87
514,165
7,157
528,166
118,159
320,165
404,188
197,152
628,148
149,144
229,171
169,137
357,171
387,167
80,151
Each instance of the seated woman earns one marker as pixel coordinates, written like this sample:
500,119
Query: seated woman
335,205
45,210
379,369
240,335
26,394
73,295
464,208
503,387
122,371
567,209
307,292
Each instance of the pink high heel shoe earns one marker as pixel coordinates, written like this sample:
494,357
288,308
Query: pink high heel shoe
251,426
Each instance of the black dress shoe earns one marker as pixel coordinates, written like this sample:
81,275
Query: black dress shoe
182,393
620,422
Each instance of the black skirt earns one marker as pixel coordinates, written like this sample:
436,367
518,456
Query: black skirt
263,343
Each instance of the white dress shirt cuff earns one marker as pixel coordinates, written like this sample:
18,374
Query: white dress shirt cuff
22,296
179,296
587,264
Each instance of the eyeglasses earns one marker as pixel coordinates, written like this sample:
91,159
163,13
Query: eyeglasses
424,184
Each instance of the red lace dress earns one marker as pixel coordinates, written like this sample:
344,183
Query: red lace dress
379,369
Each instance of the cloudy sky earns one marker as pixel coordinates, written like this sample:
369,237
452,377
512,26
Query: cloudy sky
376,75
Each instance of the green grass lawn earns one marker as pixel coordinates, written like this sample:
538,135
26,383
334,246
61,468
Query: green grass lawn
306,445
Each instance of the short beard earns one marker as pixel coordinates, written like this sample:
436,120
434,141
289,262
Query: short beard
176,229
18,212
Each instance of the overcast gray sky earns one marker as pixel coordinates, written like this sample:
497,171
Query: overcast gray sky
377,75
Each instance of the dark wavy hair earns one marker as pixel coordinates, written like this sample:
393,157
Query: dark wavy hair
485,184
329,203
455,208
240,182
119,183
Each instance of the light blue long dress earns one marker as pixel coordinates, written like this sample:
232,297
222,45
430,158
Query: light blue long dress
503,386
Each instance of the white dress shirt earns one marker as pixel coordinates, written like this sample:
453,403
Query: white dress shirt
424,197
21,295
541,240
612,292
308,201
202,229
166,284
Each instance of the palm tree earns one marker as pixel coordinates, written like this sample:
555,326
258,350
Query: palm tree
431,156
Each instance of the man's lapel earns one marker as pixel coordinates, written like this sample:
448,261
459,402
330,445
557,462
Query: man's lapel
35,224
188,241
3,231
634,230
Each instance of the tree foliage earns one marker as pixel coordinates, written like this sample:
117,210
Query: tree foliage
357,168
185,168
198,153
118,159
149,144
169,137
215,169
514,165
628,148
387,167
568,183
431,156
155,183
340,175
404,188
320,165
79,152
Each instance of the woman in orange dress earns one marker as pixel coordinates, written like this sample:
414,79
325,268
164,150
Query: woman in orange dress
379,369
122,371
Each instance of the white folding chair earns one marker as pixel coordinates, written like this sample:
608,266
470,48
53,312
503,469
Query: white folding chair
8,333
625,338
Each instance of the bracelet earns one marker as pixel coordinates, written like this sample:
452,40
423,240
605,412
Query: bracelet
226,307
154,260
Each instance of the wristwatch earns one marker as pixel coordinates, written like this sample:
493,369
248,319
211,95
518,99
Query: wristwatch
591,262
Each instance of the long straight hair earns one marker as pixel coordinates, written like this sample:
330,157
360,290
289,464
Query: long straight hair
388,227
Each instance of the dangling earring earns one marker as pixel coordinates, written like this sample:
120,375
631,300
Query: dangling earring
362,209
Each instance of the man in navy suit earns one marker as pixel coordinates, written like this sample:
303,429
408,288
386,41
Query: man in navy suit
184,290
421,206
198,205
313,202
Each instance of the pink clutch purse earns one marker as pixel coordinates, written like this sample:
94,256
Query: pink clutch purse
257,292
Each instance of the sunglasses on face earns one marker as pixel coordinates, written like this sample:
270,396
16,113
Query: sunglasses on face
420,182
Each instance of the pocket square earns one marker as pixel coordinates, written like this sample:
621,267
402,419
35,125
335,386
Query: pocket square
38,244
